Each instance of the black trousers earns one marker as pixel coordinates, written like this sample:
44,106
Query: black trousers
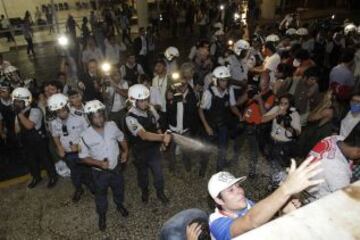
80,174
37,154
103,181
145,160
30,45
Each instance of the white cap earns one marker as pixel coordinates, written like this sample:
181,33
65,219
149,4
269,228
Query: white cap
221,181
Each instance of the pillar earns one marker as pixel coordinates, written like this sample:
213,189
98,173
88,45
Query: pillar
142,9
268,8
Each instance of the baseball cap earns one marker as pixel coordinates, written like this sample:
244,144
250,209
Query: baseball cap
221,181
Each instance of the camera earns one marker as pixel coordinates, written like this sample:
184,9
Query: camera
285,120
252,91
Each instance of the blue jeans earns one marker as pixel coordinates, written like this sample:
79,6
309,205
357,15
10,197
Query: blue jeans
175,227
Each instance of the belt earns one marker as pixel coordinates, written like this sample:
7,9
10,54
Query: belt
115,170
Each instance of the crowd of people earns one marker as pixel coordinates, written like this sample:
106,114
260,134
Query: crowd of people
289,92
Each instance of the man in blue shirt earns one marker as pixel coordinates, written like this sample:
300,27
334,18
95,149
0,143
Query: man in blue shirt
235,214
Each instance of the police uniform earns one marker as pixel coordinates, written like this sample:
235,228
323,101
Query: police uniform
34,142
146,153
216,106
182,118
78,112
238,68
69,131
100,147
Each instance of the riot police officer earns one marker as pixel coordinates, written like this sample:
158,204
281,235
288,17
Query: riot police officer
66,130
215,116
99,148
30,128
145,138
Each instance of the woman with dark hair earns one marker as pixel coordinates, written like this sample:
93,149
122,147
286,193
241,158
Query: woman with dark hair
286,127
320,124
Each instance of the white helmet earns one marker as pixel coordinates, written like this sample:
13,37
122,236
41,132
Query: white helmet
218,25
219,33
272,38
221,72
241,45
291,31
171,53
138,92
22,94
10,69
93,106
57,102
302,32
349,28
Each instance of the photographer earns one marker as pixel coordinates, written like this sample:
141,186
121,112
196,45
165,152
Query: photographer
115,94
181,109
285,129
215,114
249,108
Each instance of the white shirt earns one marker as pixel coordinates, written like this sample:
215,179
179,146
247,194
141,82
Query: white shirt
112,52
144,49
78,112
207,97
5,24
336,168
89,54
119,102
161,83
271,63
75,125
179,128
192,53
348,124
99,147
36,116
155,96
238,68
278,132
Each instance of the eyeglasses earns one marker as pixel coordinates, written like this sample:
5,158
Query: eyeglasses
65,130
